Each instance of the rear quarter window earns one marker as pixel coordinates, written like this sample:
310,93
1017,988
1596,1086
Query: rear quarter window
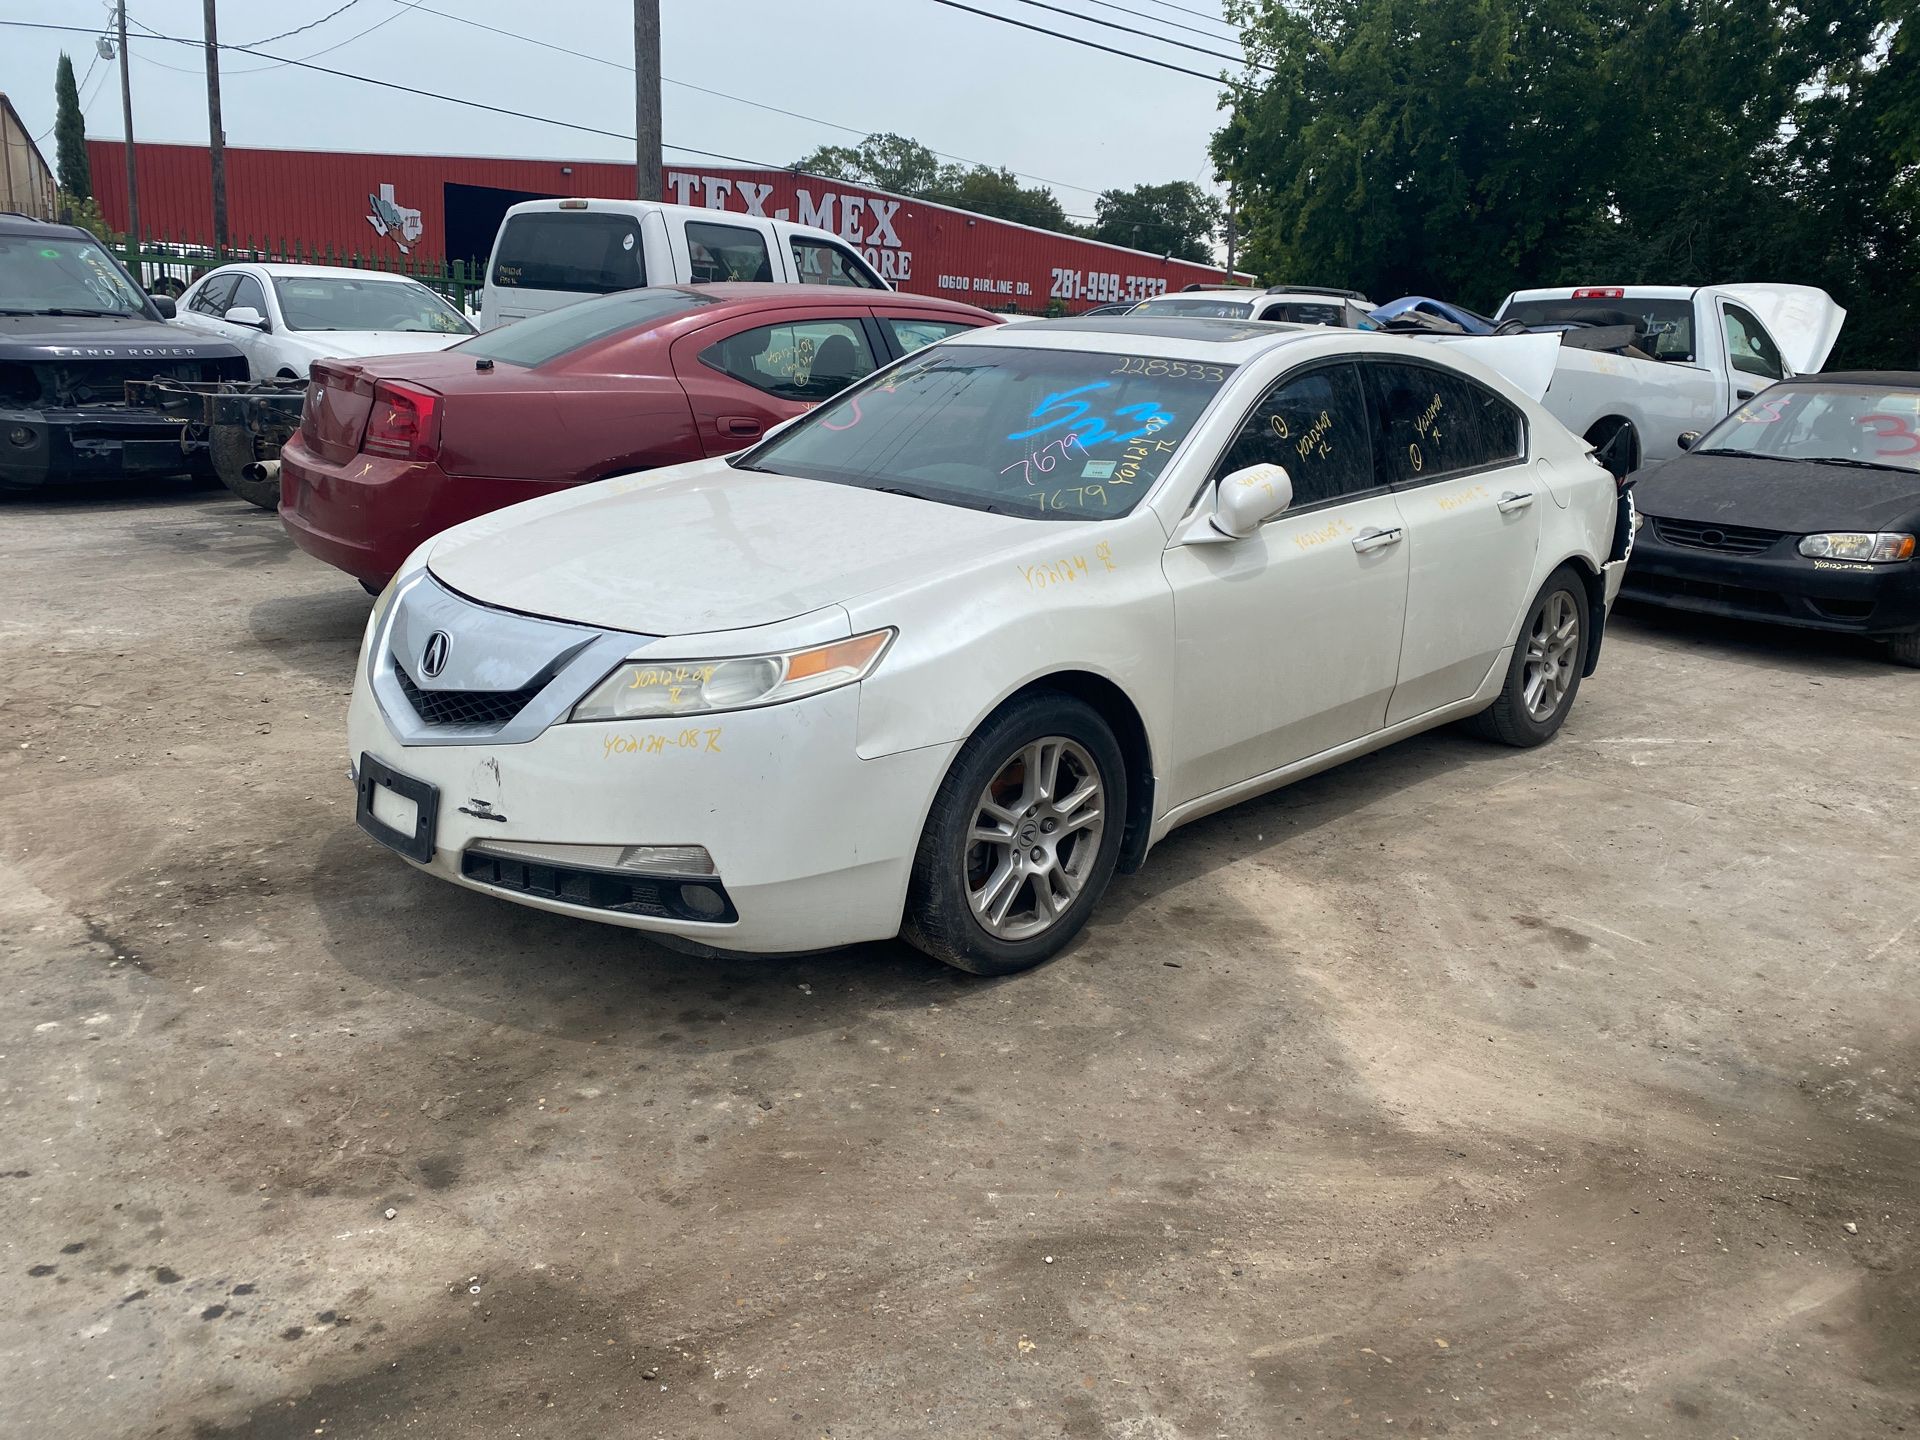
571,250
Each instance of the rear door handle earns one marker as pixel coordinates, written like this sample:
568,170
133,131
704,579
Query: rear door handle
739,425
1514,500
1374,538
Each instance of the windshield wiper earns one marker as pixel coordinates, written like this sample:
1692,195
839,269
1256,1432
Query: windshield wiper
1857,464
1751,455
95,314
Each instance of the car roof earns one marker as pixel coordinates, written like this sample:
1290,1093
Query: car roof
12,222
293,272
1219,292
821,297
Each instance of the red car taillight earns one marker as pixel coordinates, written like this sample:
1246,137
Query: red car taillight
404,422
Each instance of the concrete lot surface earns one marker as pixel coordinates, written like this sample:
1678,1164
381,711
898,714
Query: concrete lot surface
1463,1091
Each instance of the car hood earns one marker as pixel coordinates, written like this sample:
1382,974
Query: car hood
705,547
1803,319
1793,496
31,338
358,344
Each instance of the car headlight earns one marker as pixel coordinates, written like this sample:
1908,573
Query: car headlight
1858,545
646,689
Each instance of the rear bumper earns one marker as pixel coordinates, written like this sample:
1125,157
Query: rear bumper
92,443
1780,586
367,515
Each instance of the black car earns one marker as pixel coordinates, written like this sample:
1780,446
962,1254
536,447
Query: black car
1800,508
73,329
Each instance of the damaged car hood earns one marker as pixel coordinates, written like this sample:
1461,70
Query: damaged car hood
66,338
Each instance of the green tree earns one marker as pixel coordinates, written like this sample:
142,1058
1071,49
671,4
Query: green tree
1178,219
906,167
70,134
988,191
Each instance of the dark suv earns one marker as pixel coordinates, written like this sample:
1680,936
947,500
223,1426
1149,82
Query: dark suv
73,329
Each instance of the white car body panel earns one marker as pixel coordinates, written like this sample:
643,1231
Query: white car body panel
666,255
1664,399
281,350
1247,663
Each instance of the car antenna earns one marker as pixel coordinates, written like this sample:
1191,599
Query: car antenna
483,364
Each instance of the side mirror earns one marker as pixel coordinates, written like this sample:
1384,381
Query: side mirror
248,316
1689,439
164,304
1248,498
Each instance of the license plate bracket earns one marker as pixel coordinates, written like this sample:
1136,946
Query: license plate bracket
375,775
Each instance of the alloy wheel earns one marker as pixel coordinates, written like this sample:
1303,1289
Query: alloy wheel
1035,838
1553,650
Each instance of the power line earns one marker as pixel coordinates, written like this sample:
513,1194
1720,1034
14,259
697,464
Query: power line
410,90
1093,45
1168,4
721,94
308,26
259,69
1143,34
1162,20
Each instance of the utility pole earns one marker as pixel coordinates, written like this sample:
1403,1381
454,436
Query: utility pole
126,112
646,99
1230,232
216,136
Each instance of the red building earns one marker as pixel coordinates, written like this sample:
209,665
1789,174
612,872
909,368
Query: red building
447,207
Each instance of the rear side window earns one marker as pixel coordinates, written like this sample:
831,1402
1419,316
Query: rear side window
211,299
1749,347
727,252
549,336
822,264
1298,313
806,360
570,250
912,335
1429,423
1314,424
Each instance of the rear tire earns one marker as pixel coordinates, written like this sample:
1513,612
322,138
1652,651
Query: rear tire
1022,838
233,451
1544,674
1905,649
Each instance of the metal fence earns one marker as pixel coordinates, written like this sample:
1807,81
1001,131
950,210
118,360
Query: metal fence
168,267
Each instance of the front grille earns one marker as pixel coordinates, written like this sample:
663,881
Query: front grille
103,382
1705,535
491,708
599,890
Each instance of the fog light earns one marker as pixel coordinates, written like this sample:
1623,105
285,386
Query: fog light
703,902
21,435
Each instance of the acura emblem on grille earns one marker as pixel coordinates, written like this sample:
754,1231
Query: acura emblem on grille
433,659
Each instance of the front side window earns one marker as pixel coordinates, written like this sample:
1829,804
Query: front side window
1839,425
247,291
912,335
802,360
211,297
1428,422
727,252
330,302
560,332
1749,347
1315,426
571,250
822,264
41,274
1051,434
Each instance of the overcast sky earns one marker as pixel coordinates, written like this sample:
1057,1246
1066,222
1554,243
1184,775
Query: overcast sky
957,82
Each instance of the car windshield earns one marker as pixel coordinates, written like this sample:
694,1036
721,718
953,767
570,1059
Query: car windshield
1853,424
1219,309
1662,329
1052,434
63,274
338,302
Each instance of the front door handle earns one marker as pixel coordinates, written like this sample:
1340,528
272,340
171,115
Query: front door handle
1374,538
739,425
1743,394
1514,500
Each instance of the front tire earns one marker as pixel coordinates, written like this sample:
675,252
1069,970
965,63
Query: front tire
1544,674
1905,649
1023,836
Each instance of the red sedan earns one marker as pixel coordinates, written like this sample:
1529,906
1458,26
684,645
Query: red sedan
393,450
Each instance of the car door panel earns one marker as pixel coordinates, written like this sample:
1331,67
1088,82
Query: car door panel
1473,524
780,351
1289,639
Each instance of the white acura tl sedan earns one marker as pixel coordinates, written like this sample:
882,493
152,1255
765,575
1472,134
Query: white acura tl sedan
938,657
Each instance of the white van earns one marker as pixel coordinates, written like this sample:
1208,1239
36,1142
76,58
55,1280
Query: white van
551,253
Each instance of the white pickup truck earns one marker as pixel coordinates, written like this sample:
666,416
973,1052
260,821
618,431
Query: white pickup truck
1662,362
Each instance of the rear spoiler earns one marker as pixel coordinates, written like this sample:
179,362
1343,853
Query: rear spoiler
1526,361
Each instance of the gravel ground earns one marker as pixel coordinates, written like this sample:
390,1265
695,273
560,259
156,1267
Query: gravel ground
1461,1091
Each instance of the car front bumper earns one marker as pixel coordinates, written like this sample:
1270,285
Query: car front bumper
90,444
811,844
1778,585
